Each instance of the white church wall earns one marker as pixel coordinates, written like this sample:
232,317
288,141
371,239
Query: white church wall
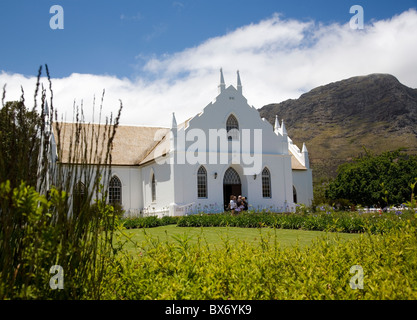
270,151
164,188
130,178
188,186
303,183
250,188
280,180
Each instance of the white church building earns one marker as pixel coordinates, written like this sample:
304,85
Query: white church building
195,166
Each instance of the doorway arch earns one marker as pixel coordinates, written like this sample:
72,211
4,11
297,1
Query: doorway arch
232,185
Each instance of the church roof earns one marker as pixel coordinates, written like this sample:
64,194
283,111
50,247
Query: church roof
162,147
130,146
295,164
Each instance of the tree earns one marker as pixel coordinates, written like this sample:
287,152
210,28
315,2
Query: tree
375,180
19,143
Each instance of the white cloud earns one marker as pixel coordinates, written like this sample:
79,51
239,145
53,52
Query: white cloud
138,16
278,59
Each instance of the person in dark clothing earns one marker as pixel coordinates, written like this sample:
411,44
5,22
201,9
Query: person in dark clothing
239,204
245,204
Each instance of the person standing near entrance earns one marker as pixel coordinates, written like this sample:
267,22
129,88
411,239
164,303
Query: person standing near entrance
232,204
239,204
245,204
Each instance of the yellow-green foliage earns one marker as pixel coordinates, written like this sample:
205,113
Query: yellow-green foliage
96,267
180,270
36,233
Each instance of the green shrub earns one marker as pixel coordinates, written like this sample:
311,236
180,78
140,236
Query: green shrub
351,222
148,222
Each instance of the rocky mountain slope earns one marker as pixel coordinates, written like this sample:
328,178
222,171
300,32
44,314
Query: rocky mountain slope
338,119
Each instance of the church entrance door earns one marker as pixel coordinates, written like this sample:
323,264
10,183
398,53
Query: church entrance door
231,185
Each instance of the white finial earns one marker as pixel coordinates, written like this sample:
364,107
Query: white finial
305,156
277,126
304,150
222,85
173,134
239,83
174,121
283,129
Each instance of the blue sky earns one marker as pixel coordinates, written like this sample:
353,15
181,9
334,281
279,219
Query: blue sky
118,37
162,56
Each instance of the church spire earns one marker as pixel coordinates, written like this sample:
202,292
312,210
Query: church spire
305,156
239,83
222,85
283,129
277,127
304,150
174,121
173,133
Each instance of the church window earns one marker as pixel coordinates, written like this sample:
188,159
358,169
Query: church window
232,128
202,182
294,193
153,187
115,190
266,183
80,196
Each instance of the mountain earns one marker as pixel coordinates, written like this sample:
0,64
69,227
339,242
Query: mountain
337,120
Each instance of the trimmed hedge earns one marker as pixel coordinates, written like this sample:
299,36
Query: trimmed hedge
349,222
148,222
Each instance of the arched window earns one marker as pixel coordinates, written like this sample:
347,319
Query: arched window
294,193
115,190
266,183
79,197
231,177
232,128
153,187
202,182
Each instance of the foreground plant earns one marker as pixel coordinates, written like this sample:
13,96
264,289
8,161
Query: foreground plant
180,269
49,219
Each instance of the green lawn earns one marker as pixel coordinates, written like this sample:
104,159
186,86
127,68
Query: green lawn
215,237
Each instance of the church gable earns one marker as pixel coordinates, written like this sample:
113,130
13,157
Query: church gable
231,113
231,109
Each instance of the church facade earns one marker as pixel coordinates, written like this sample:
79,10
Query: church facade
195,166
